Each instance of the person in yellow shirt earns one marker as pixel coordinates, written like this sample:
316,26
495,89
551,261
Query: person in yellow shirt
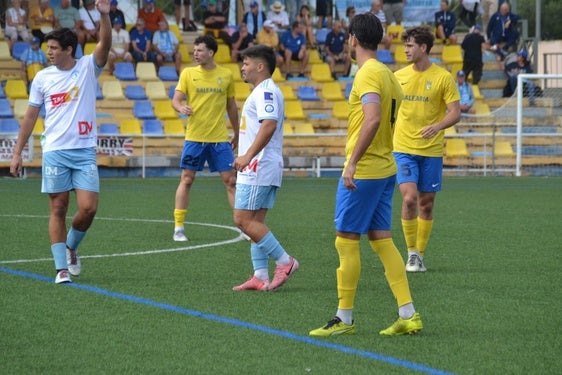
42,20
366,187
269,37
205,94
430,105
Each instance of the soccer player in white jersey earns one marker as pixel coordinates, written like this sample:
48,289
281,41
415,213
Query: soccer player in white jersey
260,169
67,89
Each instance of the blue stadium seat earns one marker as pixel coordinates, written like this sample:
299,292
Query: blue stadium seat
171,91
9,125
142,109
384,56
153,127
125,71
307,93
348,89
2,93
6,109
79,51
109,128
321,35
18,49
135,92
168,73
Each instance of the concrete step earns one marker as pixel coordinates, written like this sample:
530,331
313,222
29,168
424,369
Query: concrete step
491,93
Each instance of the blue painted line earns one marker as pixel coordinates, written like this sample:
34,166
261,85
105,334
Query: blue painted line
237,323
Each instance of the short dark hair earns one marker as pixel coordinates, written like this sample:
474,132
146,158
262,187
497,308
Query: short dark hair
66,38
262,52
367,29
421,35
209,41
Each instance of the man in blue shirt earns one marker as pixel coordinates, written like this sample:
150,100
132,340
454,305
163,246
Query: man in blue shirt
293,48
141,43
445,22
335,49
502,31
467,95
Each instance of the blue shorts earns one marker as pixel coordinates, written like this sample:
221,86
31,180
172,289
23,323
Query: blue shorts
369,207
66,170
219,156
254,197
425,171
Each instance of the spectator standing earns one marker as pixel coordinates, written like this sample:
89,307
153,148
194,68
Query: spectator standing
336,49
466,93
469,12
473,44
324,12
90,21
151,15
293,48
166,46
279,17
394,11
42,20
502,31
16,23
254,19
120,45
430,105
270,38
116,13
186,11
489,8
215,22
241,40
445,23
141,43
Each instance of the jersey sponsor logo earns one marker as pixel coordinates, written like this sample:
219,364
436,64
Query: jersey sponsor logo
252,167
269,108
416,98
85,127
208,90
57,100
268,95
51,171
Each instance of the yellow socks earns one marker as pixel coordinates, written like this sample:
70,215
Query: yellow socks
348,272
424,231
410,229
179,217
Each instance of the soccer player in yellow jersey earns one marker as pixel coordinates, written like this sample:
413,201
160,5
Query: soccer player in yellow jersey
430,105
364,194
205,93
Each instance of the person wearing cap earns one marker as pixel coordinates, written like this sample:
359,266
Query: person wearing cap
521,66
270,38
430,105
31,56
215,21
90,18
42,20
293,48
166,46
502,31
467,95
278,16
151,15
445,23
115,13
120,44
473,44
141,43
254,19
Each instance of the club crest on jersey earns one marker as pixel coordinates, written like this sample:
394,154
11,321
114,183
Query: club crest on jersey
268,96
428,85
269,108
219,80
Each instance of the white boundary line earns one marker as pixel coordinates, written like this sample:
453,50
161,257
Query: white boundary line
147,252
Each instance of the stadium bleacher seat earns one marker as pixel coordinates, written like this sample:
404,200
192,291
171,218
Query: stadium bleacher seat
174,28
39,126
108,128
277,76
307,93
394,32
235,69
174,126
125,71
321,73
155,90
171,91
223,54
20,107
348,88
6,109
331,91
456,148
314,56
153,127
451,54
303,128
287,128
130,126
163,109
112,90
294,110
18,48
503,149
2,93
481,107
168,73
400,54
241,91
32,70
184,53
142,109
99,94
16,88
476,91
89,48
287,92
340,111
5,54
9,125
135,92
451,130
455,69
146,71
321,35
384,56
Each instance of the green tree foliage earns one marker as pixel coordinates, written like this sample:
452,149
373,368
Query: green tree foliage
551,27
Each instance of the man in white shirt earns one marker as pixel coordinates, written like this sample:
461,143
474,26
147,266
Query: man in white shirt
90,18
279,17
120,42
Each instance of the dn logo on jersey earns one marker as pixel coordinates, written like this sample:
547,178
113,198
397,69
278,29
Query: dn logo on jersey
85,127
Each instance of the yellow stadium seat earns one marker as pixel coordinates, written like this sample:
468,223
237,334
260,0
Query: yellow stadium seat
174,28
394,32
481,108
223,54
455,69
332,91
278,76
314,56
451,54
130,126
5,54
39,126
174,126
456,148
294,110
16,89
340,110
146,71
287,128
20,107
288,92
235,69
400,54
155,90
503,148
163,109
450,131
112,90
89,48
303,128
184,52
477,94
32,70
241,91
321,73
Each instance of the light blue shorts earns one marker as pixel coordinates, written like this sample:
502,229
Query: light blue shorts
66,170
369,207
219,156
426,172
253,197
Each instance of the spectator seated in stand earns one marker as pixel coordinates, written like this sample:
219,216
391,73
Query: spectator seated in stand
445,23
279,17
115,13
151,15
241,40
141,43
269,37
16,23
166,46
90,17
467,95
336,49
293,48
513,69
215,22
305,21
254,19
120,45
33,59
502,31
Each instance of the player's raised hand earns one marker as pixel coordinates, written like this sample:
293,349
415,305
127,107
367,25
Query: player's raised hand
102,6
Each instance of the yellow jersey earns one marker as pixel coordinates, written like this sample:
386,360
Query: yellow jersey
426,95
207,92
377,161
